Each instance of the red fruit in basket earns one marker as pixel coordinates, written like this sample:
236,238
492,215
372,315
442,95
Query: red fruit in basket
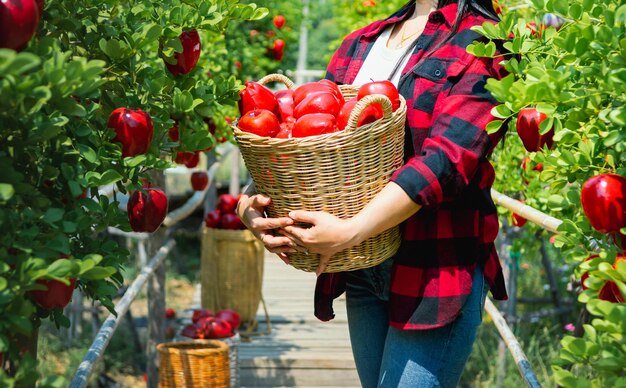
261,122
19,20
314,124
216,328
188,58
230,316
133,129
256,96
199,180
193,331
212,219
385,88
319,86
147,209
231,221
227,203
279,21
201,313
285,104
369,115
318,102
285,131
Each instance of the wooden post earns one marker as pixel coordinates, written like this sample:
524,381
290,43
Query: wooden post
235,165
211,198
156,316
554,288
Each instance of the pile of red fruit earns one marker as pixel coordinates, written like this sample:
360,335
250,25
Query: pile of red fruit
224,216
311,109
206,325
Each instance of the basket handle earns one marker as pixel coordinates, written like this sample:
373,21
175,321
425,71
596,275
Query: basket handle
364,103
277,78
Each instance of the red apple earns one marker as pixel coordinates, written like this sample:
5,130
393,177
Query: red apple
603,200
199,180
317,102
170,313
201,313
214,327
188,58
528,121
18,23
256,96
370,114
133,129
147,209
173,133
279,21
518,220
231,221
230,316
57,294
212,219
284,98
227,203
260,122
193,331
278,49
386,88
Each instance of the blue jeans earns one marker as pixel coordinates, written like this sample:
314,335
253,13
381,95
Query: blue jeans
389,357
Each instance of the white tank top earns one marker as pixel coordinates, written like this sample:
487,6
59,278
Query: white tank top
381,60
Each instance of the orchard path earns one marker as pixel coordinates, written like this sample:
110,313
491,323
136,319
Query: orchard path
300,351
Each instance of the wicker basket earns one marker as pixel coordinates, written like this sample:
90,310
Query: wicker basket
232,272
197,363
338,173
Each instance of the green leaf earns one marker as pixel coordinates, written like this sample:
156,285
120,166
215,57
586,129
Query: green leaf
62,268
6,191
493,126
109,177
53,215
88,153
98,273
135,160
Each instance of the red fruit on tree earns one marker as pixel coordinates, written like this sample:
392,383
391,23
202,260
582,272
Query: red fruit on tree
57,294
230,316
386,88
256,96
279,21
278,49
133,129
211,125
170,313
18,23
284,98
212,219
528,121
603,200
199,180
518,220
370,114
189,159
174,133
369,3
188,58
314,124
261,122
201,313
318,102
147,209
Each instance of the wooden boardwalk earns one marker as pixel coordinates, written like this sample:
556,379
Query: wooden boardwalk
300,350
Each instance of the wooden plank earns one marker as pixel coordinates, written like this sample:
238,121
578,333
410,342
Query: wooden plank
289,377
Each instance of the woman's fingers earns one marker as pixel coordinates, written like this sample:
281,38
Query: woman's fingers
324,260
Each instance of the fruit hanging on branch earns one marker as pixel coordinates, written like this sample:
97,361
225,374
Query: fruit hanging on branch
528,121
18,23
278,49
186,60
603,199
147,209
199,180
279,21
133,129
56,295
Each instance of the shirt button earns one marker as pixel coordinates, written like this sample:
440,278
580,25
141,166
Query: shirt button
437,73
435,17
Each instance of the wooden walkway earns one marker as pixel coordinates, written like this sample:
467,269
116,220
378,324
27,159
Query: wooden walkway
300,350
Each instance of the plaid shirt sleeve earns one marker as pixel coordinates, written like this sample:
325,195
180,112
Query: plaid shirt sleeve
457,140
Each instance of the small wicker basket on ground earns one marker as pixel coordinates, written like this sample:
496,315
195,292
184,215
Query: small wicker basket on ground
232,272
197,363
338,173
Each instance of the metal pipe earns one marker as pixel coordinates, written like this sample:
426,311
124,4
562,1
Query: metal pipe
100,343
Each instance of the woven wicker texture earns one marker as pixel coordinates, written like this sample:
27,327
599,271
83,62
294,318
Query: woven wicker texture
337,172
231,272
197,363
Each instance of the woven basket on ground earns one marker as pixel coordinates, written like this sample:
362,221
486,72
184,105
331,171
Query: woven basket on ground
338,173
231,272
197,363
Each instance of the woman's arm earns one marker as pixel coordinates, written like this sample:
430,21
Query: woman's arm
251,210
329,234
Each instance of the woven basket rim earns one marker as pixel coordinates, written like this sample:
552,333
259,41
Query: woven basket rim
186,347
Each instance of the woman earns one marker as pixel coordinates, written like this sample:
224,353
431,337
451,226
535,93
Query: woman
413,318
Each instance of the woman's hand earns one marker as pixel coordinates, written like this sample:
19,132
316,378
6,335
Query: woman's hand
251,211
327,235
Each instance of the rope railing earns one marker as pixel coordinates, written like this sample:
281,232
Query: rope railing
96,351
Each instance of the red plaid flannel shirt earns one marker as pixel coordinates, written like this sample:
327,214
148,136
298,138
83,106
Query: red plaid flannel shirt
446,171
